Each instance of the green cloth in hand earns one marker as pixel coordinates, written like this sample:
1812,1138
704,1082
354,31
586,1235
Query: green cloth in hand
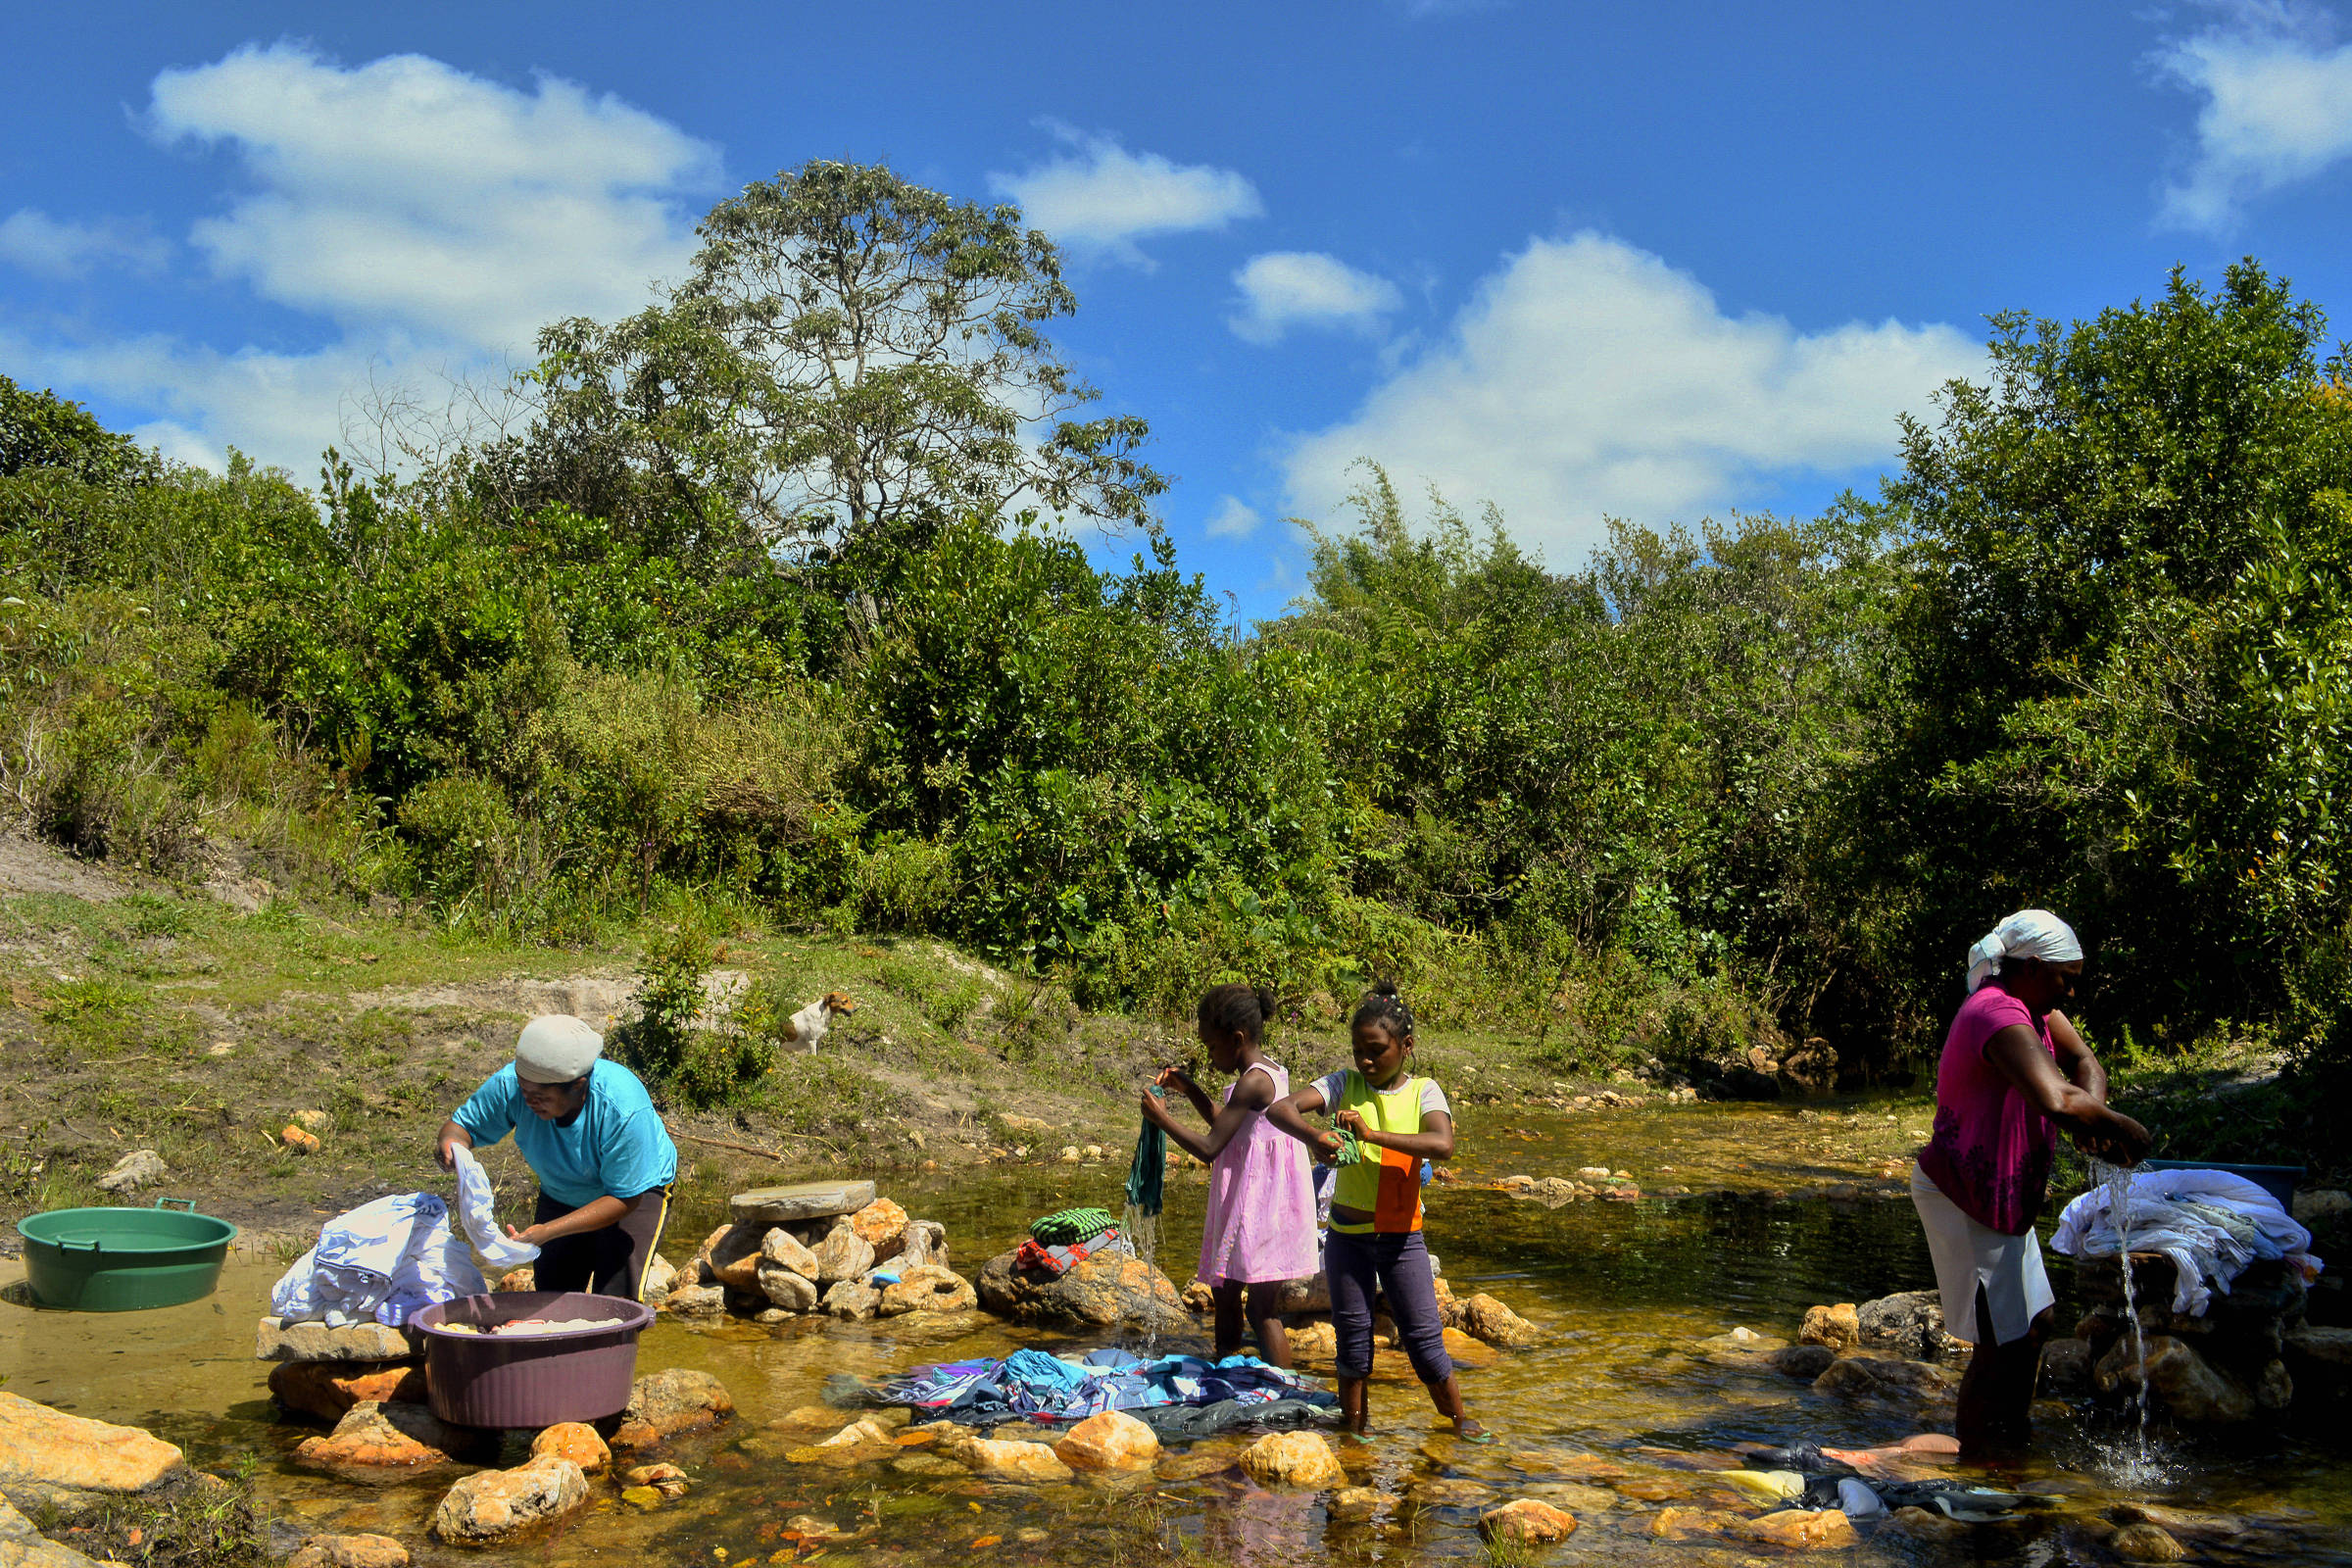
1148,1173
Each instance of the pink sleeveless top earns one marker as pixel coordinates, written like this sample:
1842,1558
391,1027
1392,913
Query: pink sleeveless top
1990,1150
1261,1203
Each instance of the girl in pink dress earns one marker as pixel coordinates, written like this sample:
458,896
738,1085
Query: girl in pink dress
1260,1231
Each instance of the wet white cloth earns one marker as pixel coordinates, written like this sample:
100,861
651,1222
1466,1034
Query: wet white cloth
1967,1256
2027,934
478,1206
379,1262
2210,1223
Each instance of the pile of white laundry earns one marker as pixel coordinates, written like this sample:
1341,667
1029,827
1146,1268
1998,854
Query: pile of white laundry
396,1255
2209,1223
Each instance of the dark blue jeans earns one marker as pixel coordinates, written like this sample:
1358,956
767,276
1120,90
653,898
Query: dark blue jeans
1360,1268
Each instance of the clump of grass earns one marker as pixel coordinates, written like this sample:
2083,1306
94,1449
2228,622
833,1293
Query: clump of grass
204,1521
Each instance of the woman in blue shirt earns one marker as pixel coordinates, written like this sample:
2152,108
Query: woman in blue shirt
590,1134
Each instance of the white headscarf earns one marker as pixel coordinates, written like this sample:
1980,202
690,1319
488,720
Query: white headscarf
2027,934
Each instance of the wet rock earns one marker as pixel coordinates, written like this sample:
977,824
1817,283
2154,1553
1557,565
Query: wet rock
696,1301
787,1288
325,1391
799,1200
925,1244
2273,1389
1352,1504
882,1226
860,1435
1909,1323
1196,1464
276,1340
1293,1459
1805,1529
575,1440
1872,1377
377,1436
2145,1543
644,1500
1804,1362
2066,1366
1839,1327
929,1288
731,1256
139,1168
853,1301
526,1278
1097,1291
843,1255
1447,1492
1676,1524
40,1446
2191,1388
780,1248
666,1479
1528,1521
2320,1359
350,1551
1110,1441
660,1278
500,1505
1031,1462
1485,1318
1467,1351
662,1405
1926,1524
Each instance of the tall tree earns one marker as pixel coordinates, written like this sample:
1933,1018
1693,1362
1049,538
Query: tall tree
853,359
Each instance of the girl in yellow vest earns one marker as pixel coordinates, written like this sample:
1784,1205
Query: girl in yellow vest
1387,1123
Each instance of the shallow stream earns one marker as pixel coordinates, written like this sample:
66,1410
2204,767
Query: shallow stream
1619,1413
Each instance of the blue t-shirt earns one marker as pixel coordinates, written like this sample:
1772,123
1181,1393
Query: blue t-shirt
616,1147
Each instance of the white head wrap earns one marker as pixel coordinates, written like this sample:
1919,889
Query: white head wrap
2027,934
554,1048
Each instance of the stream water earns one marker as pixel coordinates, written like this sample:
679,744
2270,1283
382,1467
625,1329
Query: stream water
1622,1410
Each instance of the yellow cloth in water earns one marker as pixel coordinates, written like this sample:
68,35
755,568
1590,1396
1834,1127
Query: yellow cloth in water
1768,1486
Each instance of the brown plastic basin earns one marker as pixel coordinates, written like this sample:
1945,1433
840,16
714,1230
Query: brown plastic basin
530,1381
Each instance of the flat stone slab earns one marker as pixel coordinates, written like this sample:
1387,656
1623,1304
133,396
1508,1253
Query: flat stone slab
774,1206
315,1341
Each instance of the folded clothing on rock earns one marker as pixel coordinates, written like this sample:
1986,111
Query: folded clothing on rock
2210,1223
1057,1259
1032,1385
1069,1225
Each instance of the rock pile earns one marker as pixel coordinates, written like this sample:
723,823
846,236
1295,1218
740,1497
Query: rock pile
2240,1359
815,1248
1590,1182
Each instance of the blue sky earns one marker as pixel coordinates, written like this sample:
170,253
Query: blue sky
1659,261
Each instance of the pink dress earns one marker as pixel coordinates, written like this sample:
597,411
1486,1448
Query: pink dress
1261,1204
1990,1151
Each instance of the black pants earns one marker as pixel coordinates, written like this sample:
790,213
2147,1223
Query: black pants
609,1262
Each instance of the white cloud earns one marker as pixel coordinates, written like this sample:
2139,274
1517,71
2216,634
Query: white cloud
407,193
1587,378
431,219
1232,520
1105,198
31,239
1282,289
2277,106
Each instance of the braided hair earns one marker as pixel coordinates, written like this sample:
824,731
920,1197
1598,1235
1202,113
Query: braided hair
1238,1009
1384,1006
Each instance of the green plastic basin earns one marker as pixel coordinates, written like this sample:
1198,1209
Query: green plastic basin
124,1259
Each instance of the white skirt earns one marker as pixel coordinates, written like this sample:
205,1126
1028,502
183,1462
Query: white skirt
1967,1256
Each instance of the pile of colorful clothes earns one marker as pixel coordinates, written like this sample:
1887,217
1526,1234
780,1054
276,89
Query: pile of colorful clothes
1070,1236
1179,1397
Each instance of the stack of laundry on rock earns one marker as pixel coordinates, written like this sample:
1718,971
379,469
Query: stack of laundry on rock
1061,1240
378,1262
2210,1223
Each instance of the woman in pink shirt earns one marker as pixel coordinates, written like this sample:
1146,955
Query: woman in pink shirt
2013,1066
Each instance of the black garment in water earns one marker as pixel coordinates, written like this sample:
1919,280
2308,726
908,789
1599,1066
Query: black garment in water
1182,1423
609,1262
